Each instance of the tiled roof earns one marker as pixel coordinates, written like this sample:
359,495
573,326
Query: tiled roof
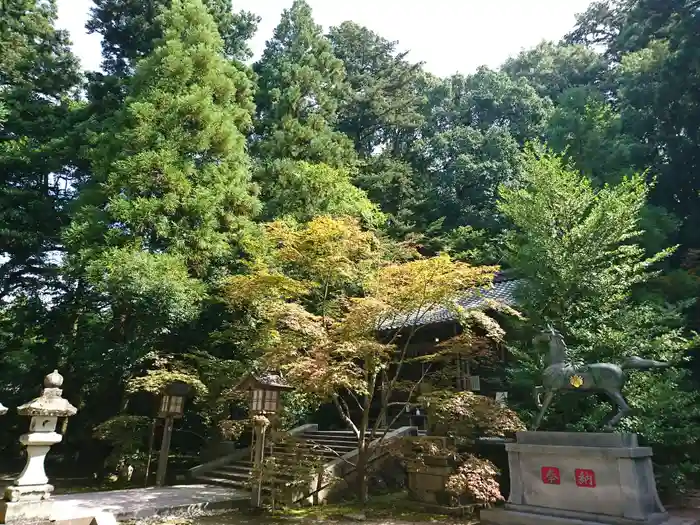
502,292
274,380
268,379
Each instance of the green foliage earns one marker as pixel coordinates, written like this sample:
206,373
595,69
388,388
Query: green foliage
656,90
302,191
156,285
123,429
573,240
130,29
489,98
464,168
128,436
590,132
155,381
385,100
551,69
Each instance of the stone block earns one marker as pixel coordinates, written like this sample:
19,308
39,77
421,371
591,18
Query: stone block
597,478
508,517
429,482
25,511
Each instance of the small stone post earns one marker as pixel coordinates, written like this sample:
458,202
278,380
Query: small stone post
28,498
260,424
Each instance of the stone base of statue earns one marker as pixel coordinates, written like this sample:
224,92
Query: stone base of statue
570,478
27,503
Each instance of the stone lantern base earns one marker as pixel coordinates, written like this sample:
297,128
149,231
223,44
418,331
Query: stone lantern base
27,510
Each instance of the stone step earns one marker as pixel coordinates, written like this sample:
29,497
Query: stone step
241,485
234,468
305,445
229,475
226,482
291,457
243,476
339,434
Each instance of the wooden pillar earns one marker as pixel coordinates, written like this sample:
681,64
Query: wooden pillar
164,451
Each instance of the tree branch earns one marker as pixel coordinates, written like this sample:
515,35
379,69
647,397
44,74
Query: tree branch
344,412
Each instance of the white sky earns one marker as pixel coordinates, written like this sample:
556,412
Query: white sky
450,36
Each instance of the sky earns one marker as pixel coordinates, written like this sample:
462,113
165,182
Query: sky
450,36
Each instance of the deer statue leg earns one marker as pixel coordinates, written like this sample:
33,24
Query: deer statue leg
545,405
622,408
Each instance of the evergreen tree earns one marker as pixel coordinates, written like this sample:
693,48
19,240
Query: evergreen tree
129,30
171,175
385,103
168,199
575,246
382,115
299,88
553,68
38,76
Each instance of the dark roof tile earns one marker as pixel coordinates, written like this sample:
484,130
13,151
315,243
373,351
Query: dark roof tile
502,292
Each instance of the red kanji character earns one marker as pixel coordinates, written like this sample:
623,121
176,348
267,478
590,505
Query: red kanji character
585,478
550,475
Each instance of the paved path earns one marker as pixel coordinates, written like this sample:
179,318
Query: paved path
152,501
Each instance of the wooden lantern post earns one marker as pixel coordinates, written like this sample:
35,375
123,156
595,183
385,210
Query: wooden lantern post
172,405
265,401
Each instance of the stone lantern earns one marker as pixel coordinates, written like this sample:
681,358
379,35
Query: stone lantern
28,497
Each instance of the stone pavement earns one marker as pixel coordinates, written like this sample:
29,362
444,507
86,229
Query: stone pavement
147,502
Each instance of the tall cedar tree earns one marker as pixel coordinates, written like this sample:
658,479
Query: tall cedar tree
385,103
38,74
129,30
299,87
305,165
172,174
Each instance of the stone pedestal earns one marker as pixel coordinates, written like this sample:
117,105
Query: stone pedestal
426,485
426,482
563,478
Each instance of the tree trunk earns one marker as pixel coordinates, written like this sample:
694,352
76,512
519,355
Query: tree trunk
361,473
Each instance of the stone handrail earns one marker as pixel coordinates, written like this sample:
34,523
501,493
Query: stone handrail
241,453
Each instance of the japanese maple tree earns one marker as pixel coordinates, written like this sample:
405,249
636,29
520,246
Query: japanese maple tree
325,289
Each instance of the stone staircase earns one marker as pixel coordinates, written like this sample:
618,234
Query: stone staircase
335,449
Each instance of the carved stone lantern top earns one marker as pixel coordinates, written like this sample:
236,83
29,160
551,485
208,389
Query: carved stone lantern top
50,403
